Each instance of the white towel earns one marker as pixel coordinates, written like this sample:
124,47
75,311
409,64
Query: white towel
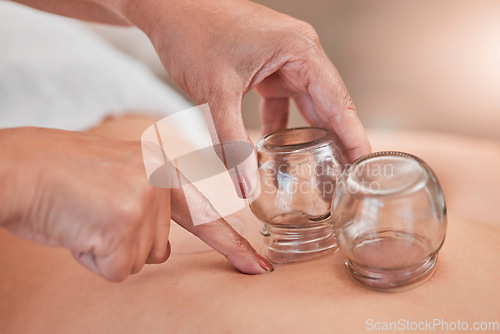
55,72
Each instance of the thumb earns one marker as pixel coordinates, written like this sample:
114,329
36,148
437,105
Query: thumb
232,143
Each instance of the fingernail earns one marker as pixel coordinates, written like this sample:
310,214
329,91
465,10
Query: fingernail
243,189
266,265
243,186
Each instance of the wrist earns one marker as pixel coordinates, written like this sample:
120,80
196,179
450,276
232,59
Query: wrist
139,13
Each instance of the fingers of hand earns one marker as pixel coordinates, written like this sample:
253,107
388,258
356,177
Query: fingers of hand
274,114
160,248
334,105
132,240
223,238
318,90
233,145
201,219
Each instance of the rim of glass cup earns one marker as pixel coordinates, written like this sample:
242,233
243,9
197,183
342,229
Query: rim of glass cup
409,187
267,142
389,153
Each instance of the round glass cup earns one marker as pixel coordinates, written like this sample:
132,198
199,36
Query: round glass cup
298,169
389,218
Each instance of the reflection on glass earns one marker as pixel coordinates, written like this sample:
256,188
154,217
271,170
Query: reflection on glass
298,170
389,217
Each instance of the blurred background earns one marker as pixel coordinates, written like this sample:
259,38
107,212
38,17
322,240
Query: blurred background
408,64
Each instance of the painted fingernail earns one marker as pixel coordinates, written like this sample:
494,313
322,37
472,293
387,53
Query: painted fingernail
266,265
242,190
242,182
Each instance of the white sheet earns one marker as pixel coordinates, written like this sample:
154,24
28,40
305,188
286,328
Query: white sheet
55,72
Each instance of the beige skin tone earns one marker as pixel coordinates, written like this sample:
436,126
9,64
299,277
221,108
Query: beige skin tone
216,51
90,194
45,288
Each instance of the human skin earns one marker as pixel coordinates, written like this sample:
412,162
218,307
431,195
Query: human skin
45,288
218,50
91,195
199,292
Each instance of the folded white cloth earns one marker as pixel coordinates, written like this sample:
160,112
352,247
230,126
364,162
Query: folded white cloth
55,72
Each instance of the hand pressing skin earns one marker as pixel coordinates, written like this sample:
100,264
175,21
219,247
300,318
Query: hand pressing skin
91,195
218,50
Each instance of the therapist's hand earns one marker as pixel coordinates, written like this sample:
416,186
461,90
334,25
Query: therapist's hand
91,195
217,50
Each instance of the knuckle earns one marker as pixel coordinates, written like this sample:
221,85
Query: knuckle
300,34
348,103
307,31
305,42
348,109
207,211
235,241
204,213
111,241
228,240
